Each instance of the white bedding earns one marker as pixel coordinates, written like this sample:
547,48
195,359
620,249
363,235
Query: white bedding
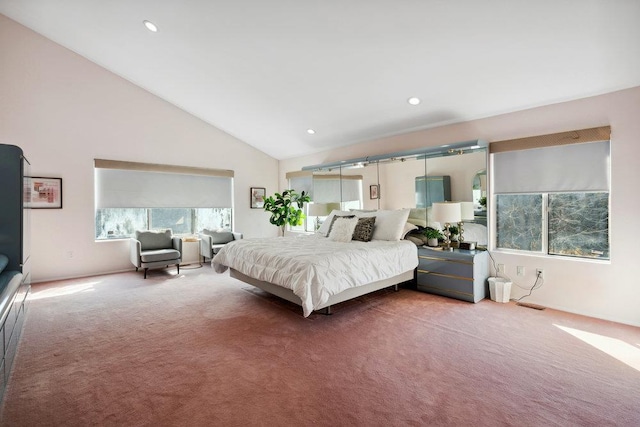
314,267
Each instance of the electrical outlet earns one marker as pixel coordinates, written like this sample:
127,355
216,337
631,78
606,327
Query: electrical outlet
500,268
539,273
520,270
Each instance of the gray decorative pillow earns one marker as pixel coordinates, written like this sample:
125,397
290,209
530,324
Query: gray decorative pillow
364,229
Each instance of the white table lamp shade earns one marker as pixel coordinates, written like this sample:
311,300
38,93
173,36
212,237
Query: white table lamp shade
447,212
318,209
467,210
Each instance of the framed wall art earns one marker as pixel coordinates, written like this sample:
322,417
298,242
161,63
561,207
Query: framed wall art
42,193
374,191
257,197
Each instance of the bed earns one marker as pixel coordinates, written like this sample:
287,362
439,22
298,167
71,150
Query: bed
318,271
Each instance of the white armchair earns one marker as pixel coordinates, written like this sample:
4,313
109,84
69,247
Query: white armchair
212,240
155,249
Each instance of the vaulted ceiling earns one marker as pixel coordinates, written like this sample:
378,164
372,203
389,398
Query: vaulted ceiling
267,71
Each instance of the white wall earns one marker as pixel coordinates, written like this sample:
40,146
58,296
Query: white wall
64,111
607,290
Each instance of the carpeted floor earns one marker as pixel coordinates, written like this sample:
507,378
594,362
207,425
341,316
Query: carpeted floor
203,349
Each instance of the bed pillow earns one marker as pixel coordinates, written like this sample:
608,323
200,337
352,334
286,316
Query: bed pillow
407,228
342,229
390,224
326,225
364,229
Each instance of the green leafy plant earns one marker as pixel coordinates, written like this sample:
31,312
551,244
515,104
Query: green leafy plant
432,233
286,208
453,229
483,201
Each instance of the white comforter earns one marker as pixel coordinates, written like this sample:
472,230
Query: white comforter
314,267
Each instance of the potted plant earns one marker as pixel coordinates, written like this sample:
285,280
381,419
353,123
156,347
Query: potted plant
286,208
453,230
483,202
432,236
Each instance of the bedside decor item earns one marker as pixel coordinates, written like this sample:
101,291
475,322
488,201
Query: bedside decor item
432,236
447,213
317,210
467,214
469,246
257,197
286,208
42,193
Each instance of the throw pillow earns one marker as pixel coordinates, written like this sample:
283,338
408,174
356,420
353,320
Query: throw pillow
407,228
390,224
333,220
326,225
364,229
342,229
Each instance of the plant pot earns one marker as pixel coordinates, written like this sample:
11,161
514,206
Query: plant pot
432,242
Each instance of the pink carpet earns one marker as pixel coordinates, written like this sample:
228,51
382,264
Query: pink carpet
204,349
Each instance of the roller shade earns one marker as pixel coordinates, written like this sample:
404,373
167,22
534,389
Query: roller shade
302,183
141,185
573,167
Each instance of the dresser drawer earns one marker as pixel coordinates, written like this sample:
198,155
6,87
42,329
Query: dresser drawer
446,285
453,267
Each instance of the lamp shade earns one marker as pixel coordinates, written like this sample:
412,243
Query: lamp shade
318,209
467,210
447,212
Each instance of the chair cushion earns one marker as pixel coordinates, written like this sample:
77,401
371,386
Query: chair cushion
159,255
150,240
219,236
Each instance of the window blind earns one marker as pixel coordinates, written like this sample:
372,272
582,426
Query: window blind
144,185
563,168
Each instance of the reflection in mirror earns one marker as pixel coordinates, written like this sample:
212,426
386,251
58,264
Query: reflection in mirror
326,196
357,179
480,197
402,181
463,170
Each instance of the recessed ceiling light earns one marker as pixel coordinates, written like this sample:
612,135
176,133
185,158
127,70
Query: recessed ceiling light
311,131
413,101
150,26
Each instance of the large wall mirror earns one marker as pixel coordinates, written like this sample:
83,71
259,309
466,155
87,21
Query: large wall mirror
413,179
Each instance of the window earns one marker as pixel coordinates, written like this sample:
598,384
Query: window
120,223
577,224
138,196
553,199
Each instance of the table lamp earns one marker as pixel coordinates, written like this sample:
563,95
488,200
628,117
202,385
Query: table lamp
447,213
466,213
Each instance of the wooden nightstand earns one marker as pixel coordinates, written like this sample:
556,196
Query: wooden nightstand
459,274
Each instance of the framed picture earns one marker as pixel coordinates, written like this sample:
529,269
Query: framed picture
374,191
42,193
257,197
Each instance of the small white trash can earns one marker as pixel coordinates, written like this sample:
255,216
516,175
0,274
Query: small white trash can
499,289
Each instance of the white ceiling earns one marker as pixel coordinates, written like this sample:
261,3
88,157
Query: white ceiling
265,71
